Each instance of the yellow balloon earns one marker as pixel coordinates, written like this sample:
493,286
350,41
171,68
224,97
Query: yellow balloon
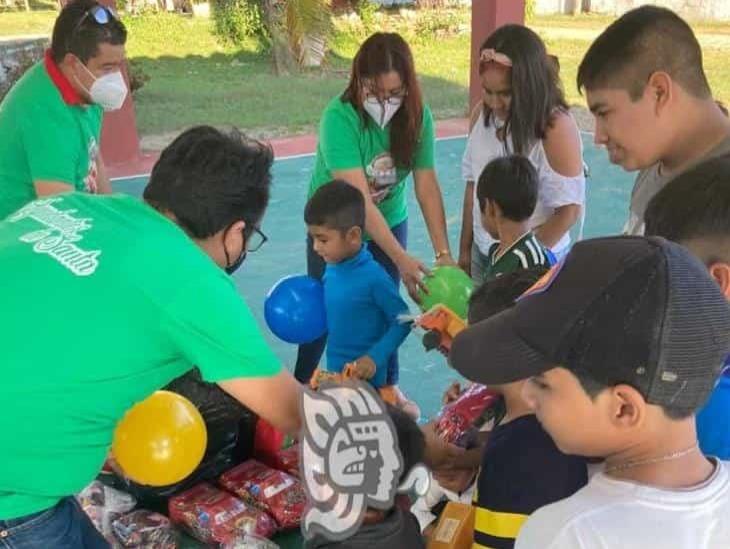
160,440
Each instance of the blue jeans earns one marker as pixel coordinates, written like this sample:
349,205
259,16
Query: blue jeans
64,526
478,265
309,354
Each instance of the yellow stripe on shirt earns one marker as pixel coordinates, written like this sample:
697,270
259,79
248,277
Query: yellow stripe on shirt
499,525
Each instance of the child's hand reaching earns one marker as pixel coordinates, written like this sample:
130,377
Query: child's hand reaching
321,376
439,454
452,393
362,368
455,480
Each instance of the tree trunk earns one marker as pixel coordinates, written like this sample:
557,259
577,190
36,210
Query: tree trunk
275,18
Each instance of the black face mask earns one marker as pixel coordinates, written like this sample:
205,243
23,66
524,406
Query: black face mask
233,267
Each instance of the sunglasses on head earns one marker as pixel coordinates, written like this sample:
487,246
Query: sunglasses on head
101,14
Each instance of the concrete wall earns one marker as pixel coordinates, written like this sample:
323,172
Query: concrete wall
693,9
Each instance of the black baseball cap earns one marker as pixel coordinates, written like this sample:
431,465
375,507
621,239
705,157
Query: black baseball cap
634,310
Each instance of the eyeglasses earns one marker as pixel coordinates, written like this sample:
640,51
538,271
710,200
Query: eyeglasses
392,99
101,14
255,240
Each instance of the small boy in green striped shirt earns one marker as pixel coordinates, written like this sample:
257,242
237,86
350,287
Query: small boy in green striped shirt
507,193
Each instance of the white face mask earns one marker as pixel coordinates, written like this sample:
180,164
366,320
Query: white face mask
108,91
382,113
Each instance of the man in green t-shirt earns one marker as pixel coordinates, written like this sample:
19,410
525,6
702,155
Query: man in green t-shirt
106,299
50,122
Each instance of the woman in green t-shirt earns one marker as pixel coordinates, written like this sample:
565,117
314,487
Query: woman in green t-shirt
373,136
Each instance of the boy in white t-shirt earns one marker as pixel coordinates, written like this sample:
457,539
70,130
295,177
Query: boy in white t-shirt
621,343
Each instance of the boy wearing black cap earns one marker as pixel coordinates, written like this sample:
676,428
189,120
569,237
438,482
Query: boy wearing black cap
694,210
621,344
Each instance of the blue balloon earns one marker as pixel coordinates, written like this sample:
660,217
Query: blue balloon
294,309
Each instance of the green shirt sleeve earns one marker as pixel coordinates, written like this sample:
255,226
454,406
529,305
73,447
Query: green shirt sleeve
339,133
424,154
214,329
52,155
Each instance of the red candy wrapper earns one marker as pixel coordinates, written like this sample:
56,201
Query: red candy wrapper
287,460
214,516
267,441
474,407
278,493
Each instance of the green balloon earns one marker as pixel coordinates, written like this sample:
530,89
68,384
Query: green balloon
449,286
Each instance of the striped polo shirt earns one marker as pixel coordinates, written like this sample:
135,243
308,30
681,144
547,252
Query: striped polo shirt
526,252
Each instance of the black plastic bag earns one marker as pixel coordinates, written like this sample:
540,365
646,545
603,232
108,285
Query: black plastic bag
231,428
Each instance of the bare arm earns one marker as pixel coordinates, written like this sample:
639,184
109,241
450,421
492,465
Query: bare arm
47,188
467,229
563,152
550,232
375,225
469,459
275,399
467,220
104,186
428,194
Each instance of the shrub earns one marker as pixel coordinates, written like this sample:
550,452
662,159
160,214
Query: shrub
529,10
14,63
137,76
236,20
366,10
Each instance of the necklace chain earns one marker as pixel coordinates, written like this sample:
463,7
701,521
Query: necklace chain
667,457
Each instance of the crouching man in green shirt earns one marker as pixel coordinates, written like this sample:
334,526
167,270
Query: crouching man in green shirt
106,299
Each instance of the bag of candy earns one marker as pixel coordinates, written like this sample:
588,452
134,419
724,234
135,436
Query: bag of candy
289,460
214,516
144,529
250,542
103,505
476,406
278,493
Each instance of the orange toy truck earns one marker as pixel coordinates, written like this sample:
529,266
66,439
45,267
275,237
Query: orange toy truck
442,325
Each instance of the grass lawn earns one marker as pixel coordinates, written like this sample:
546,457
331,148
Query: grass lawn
195,79
21,23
